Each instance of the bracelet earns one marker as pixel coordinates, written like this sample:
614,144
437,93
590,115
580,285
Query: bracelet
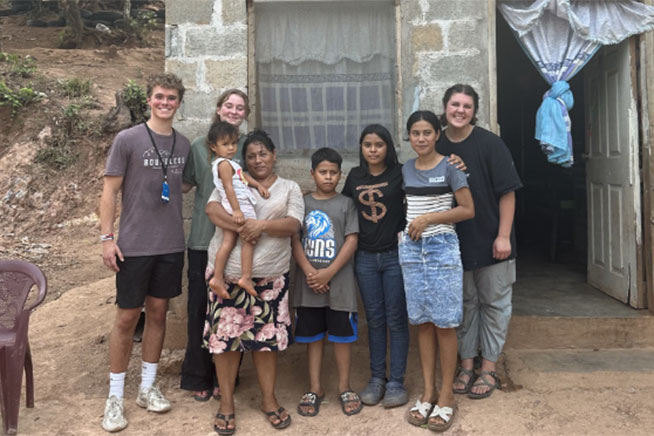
107,237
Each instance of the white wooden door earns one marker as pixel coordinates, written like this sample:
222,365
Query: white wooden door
612,177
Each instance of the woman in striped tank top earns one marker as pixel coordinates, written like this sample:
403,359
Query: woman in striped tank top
431,264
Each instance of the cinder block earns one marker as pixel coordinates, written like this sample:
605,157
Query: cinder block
226,74
411,10
189,11
207,41
453,69
187,71
198,105
431,98
192,128
464,34
234,11
427,38
456,9
174,46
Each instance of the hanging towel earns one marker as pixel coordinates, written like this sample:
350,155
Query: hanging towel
553,124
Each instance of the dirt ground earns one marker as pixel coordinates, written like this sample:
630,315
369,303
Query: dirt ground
71,360
69,333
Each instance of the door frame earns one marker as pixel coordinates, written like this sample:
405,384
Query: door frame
642,73
645,81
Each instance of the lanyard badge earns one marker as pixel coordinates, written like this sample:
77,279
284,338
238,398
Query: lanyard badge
165,188
165,191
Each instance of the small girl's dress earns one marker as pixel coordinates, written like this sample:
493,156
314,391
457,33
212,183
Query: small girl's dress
244,195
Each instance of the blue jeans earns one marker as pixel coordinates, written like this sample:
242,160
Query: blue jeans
382,291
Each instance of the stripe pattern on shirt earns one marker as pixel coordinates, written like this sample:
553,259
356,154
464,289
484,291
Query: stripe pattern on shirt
427,200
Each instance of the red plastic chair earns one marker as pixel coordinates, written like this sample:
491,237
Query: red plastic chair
16,281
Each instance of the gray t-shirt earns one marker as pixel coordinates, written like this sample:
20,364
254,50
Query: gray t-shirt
431,190
148,226
325,226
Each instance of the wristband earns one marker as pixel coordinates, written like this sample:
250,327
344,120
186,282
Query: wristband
107,237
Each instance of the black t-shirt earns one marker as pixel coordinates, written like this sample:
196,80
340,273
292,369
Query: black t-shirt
380,206
491,174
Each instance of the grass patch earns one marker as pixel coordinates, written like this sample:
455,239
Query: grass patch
62,150
16,98
76,87
16,65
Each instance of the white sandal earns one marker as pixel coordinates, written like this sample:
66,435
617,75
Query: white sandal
444,413
424,409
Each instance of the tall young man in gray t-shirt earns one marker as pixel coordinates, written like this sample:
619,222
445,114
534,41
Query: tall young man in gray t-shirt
145,165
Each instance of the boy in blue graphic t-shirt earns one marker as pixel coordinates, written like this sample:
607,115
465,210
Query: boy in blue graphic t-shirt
325,295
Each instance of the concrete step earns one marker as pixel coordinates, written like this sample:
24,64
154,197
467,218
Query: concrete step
537,332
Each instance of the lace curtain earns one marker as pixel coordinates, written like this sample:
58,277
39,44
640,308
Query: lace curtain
325,71
560,37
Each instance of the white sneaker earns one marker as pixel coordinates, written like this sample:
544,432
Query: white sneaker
153,400
114,415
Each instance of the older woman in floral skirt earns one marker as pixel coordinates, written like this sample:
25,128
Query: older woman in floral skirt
260,324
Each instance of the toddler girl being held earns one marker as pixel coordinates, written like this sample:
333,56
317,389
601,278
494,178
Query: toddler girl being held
238,200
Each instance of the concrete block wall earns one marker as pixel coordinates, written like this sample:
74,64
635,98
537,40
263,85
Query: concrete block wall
444,42
206,46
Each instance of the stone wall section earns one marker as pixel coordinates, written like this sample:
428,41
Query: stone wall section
443,42
206,46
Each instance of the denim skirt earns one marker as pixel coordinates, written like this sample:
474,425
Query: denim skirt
433,279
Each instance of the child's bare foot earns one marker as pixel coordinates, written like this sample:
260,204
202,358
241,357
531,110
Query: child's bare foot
217,285
248,285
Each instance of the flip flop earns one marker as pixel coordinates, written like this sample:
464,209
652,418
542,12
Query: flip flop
458,379
202,396
224,431
310,399
278,414
348,397
482,381
215,393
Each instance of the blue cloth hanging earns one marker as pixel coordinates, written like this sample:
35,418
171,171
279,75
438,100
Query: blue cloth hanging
553,126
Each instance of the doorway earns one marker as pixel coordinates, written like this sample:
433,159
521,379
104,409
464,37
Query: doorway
550,215
554,213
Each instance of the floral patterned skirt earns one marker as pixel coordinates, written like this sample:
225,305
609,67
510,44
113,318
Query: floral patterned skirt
247,323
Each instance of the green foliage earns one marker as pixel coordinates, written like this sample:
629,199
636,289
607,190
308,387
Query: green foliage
136,100
71,119
59,155
76,87
16,99
17,65
143,23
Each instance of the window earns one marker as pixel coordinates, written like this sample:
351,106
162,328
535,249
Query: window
325,70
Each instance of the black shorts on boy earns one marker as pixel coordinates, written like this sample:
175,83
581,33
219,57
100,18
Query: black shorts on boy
314,323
